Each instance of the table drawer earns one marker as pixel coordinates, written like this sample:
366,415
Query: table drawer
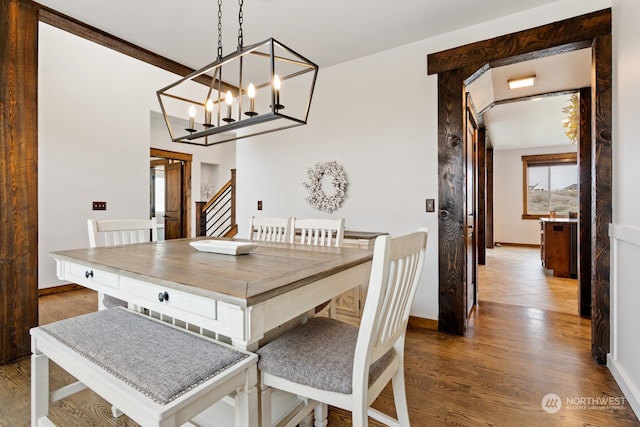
98,280
167,300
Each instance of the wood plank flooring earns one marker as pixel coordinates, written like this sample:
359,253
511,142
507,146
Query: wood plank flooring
497,375
514,275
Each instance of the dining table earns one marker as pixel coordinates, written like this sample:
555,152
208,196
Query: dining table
240,298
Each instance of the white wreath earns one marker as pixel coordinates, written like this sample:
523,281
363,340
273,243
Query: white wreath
317,198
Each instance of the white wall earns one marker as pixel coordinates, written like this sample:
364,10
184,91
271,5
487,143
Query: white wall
94,121
376,116
509,227
625,292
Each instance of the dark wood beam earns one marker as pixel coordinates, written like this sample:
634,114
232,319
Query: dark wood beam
451,188
18,177
601,197
538,41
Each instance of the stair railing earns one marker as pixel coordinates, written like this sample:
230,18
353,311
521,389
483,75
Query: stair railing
217,217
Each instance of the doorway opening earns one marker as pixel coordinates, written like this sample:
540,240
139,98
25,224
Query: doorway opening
529,158
170,192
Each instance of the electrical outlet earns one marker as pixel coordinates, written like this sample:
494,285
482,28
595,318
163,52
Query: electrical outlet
431,205
99,206
259,205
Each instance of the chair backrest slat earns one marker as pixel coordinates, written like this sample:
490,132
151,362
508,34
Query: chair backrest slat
318,231
270,229
114,232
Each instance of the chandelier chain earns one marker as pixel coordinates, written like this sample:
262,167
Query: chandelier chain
240,21
219,29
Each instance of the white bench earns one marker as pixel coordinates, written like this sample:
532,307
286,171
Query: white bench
155,373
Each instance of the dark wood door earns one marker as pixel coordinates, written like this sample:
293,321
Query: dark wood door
470,211
173,228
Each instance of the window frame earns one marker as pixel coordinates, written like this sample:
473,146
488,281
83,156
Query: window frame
555,159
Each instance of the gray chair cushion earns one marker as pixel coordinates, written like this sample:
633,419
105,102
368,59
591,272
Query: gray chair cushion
158,360
318,354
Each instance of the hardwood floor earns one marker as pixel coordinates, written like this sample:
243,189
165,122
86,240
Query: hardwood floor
497,375
514,275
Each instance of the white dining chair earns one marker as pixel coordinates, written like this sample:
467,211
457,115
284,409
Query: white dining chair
114,232
270,229
318,231
344,366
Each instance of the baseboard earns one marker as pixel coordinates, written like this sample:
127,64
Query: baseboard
58,289
523,245
629,390
422,323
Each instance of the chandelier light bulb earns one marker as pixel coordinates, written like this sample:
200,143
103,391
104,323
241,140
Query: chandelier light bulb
192,119
251,93
228,99
276,91
208,112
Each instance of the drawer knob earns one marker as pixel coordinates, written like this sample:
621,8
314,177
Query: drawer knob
88,273
163,296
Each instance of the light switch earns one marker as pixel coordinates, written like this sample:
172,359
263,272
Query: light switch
259,205
99,206
431,205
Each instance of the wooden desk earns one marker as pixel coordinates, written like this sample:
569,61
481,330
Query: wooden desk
239,298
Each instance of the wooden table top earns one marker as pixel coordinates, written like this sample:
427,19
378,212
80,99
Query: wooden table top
269,270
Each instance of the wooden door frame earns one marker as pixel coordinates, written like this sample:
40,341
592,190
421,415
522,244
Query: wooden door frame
457,65
187,161
471,119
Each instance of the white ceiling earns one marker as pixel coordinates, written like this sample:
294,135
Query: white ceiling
537,121
327,32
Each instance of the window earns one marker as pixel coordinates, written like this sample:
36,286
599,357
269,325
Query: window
550,184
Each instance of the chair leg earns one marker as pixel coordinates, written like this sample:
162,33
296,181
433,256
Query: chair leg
265,405
400,396
39,388
320,414
246,401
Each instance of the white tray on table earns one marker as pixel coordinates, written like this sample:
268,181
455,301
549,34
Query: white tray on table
228,247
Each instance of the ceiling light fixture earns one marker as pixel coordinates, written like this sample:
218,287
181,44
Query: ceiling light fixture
521,82
257,89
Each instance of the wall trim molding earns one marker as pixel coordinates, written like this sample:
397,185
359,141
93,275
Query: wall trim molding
625,233
422,323
630,392
59,289
629,235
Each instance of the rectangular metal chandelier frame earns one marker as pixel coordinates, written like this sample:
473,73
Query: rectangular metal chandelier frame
223,129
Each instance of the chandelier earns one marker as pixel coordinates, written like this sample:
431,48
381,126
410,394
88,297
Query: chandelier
257,89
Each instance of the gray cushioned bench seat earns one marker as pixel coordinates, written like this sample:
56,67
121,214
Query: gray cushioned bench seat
158,360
